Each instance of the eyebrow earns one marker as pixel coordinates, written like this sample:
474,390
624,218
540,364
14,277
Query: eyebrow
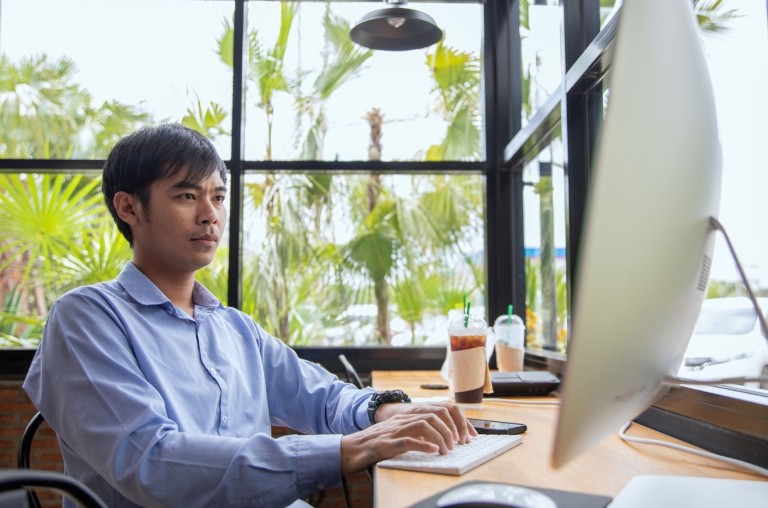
186,184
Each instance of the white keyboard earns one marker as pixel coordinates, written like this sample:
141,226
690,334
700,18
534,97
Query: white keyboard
458,461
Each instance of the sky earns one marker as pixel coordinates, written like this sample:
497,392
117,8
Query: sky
740,81
143,52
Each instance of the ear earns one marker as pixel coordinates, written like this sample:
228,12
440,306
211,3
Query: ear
127,207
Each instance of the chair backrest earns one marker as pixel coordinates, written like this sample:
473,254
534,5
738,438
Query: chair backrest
25,449
25,446
351,374
15,480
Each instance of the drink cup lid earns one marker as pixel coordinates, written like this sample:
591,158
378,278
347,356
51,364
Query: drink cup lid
507,320
468,324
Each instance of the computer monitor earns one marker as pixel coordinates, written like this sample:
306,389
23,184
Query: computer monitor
645,254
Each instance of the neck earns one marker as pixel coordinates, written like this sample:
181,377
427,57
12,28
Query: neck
177,287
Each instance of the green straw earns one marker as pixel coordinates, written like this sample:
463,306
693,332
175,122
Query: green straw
509,328
466,315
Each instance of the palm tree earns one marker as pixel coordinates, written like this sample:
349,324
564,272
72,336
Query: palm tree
343,60
400,240
51,220
292,206
456,76
45,114
378,266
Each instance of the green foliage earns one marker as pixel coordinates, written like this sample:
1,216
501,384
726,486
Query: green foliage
59,236
45,114
100,255
456,76
18,328
712,17
208,120
43,214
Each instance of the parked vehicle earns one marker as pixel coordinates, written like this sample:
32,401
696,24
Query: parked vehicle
727,341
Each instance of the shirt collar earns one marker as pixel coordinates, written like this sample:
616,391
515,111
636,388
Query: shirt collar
144,291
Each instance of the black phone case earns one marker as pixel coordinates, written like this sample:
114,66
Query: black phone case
496,427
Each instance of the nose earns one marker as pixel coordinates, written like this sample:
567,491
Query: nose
207,213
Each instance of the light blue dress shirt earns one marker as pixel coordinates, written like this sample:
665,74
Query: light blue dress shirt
155,408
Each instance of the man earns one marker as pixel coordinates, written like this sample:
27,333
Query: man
161,396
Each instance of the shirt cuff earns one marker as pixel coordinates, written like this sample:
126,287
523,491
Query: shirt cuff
319,463
361,412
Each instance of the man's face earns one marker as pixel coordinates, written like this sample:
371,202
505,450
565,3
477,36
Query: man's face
183,225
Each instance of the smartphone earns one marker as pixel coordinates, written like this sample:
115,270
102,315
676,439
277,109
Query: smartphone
494,427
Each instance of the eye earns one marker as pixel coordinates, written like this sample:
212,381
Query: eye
220,199
188,195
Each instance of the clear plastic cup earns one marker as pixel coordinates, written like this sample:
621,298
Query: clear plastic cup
510,343
467,334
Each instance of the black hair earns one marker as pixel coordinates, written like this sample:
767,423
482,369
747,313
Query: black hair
154,153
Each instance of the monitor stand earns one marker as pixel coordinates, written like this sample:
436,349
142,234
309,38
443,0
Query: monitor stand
717,226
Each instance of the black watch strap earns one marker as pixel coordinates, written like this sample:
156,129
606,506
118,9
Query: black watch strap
384,397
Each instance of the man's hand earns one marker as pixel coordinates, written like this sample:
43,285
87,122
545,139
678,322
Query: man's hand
400,428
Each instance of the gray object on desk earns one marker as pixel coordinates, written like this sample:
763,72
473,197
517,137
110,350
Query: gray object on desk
529,382
561,498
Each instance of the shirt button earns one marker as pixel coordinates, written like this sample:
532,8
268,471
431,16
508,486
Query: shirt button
213,371
224,419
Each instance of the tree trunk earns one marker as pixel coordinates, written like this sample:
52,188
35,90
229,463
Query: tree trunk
380,285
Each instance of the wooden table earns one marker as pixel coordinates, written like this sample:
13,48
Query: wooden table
605,469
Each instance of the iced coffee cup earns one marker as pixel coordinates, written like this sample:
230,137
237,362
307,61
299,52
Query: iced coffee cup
510,343
468,369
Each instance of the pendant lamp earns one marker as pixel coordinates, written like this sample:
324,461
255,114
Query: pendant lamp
396,28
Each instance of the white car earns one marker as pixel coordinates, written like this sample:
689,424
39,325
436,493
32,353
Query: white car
727,341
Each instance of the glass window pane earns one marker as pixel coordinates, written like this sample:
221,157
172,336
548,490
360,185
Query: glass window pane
311,96
86,72
608,8
540,33
363,259
735,38
545,254
59,235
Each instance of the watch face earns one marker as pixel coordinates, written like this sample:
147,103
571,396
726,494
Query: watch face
391,396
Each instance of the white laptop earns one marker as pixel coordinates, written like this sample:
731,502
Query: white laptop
682,491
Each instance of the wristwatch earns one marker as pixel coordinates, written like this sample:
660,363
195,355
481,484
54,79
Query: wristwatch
385,397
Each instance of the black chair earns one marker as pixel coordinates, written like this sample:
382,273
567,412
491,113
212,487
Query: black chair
352,377
351,374
13,483
25,449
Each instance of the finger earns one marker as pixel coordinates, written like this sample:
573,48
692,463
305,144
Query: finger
449,417
428,427
454,417
464,429
444,425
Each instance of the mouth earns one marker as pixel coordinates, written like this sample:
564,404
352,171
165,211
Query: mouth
207,239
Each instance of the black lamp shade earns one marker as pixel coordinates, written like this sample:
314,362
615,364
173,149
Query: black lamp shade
396,29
